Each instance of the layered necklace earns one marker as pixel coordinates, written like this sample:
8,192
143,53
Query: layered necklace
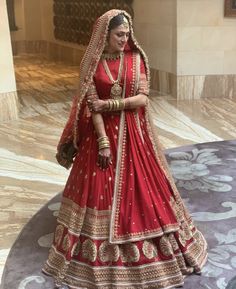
116,89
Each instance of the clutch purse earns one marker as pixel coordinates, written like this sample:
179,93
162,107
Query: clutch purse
66,154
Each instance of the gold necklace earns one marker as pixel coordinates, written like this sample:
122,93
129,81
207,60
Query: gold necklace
116,89
111,56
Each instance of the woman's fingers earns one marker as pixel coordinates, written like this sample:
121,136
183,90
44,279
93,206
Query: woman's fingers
104,161
95,105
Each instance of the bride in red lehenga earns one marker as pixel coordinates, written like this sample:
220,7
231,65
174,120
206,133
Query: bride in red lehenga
122,223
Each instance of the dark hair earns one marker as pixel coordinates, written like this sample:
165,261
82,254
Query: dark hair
116,21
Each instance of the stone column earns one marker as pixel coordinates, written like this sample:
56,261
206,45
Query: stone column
8,94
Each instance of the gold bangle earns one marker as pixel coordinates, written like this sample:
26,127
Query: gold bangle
103,142
116,104
101,138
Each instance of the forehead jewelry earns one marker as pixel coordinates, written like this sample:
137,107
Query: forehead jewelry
125,22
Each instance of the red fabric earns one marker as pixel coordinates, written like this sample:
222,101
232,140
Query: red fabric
145,195
67,134
145,192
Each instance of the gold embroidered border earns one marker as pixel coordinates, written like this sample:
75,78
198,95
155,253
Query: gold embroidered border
143,85
137,82
84,221
183,263
196,254
139,236
119,172
154,273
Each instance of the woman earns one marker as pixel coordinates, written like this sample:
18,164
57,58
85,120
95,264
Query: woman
122,223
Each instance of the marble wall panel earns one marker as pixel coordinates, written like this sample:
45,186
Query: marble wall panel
206,39
199,12
193,87
230,61
8,106
156,32
200,62
206,86
163,82
189,38
24,46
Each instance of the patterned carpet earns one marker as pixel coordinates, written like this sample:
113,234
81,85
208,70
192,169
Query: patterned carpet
206,177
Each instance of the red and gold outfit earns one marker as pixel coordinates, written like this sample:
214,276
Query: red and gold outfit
126,226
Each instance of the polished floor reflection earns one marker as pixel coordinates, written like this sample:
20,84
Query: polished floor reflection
29,174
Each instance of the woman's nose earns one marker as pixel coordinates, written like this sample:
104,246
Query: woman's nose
124,38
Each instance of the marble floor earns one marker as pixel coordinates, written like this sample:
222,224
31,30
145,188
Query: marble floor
29,174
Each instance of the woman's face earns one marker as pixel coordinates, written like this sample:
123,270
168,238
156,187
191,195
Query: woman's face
118,38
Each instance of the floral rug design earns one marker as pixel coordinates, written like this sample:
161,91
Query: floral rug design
206,177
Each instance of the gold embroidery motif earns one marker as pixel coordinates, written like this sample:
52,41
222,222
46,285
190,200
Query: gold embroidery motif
173,242
66,243
165,246
129,253
143,85
182,238
187,231
58,234
154,273
178,210
108,252
89,250
149,249
76,249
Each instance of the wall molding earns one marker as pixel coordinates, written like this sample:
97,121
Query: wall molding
164,82
52,51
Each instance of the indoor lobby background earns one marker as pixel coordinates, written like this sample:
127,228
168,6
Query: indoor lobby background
191,48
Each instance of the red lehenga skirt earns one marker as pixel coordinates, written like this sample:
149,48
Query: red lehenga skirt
137,238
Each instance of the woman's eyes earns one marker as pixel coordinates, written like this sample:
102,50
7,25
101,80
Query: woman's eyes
122,34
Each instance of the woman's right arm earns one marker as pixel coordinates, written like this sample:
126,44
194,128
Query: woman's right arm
104,153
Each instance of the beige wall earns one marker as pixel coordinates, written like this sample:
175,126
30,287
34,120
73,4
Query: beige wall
20,21
206,39
28,20
8,96
155,29
7,80
47,23
33,19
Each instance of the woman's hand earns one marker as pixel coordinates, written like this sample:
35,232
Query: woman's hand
104,158
96,105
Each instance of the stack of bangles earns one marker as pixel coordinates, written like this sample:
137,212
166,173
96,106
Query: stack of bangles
103,142
116,104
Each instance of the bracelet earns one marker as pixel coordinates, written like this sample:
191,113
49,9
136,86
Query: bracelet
116,104
103,142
